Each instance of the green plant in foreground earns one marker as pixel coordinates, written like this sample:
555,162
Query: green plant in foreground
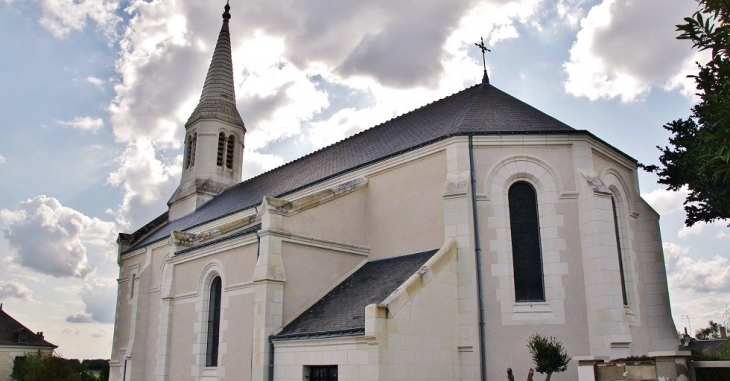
548,355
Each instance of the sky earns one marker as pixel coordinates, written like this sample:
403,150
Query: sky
95,95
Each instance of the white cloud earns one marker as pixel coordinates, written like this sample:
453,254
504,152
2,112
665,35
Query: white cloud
60,17
98,82
85,123
722,234
626,47
666,201
100,297
673,251
81,317
2,159
13,289
687,231
701,275
53,239
256,163
146,181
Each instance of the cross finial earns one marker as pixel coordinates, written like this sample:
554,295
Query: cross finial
484,49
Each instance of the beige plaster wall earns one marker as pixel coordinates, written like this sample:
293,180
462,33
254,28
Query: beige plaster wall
310,273
356,359
239,263
421,336
399,212
182,358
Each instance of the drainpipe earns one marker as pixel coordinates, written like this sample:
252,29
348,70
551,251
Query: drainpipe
478,263
258,238
271,359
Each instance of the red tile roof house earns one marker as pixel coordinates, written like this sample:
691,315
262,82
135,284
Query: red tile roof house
17,340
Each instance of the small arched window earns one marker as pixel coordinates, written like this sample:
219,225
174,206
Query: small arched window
193,144
526,251
617,229
214,323
221,148
229,151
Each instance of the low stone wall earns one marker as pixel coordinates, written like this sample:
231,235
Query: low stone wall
634,371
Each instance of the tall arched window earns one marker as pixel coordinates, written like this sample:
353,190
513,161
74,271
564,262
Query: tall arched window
617,229
526,251
221,148
229,151
214,322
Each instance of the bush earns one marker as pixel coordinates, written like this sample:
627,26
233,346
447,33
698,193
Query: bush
43,367
548,355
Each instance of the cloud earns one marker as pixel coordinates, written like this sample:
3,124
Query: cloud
53,239
687,231
13,289
2,159
100,297
626,47
673,251
98,82
69,331
146,181
60,17
99,333
85,123
81,317
701,275
665,201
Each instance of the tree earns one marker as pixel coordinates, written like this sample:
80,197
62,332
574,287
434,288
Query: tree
548,355
712,332
43,367
699,153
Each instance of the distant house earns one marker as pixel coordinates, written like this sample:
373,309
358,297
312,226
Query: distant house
17,340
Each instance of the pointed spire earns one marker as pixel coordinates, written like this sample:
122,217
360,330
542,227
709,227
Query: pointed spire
218,100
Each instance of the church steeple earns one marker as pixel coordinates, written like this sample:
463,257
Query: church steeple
218,100
214,135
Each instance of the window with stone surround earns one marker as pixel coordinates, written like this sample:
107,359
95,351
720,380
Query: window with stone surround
320,373
617,230
526,251
214,322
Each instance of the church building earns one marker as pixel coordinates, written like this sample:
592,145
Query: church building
429,247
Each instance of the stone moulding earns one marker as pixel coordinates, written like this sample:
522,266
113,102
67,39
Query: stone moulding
290,207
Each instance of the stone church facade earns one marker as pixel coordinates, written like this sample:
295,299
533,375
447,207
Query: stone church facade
430,247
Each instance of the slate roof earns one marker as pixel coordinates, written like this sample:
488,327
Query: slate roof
11,328
480,109
342,310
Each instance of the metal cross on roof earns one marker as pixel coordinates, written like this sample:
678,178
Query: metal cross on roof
484,49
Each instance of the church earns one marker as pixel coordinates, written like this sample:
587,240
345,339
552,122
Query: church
429,247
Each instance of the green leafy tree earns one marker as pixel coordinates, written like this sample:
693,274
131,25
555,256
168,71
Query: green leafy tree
698,156
43,367
711,332
548,355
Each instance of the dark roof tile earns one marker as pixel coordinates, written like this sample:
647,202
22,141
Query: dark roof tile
10,329
343,308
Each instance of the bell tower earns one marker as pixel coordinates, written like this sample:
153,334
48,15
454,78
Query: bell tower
214,135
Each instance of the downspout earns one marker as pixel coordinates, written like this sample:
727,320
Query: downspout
478,263
258,238
271,359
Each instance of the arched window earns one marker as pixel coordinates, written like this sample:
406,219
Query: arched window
193,144
617,229
214,322
229,151
188,143
221,148
526,252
